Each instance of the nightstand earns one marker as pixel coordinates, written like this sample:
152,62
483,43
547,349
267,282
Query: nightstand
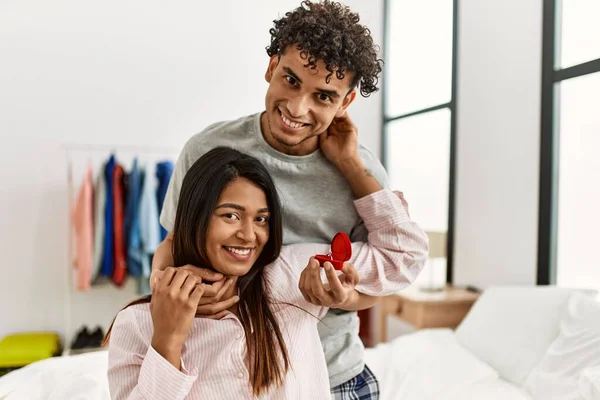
442,309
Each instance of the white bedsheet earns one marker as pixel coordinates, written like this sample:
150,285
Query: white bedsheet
427,365
431,365
81,377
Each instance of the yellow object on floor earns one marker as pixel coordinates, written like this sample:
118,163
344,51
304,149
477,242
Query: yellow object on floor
20,349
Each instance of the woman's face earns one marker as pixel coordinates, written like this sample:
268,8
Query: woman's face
238,229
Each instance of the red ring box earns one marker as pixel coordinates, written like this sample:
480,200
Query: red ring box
341,250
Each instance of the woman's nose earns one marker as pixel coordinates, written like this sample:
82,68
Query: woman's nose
246,232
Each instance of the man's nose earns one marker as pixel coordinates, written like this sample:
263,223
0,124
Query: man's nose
298,106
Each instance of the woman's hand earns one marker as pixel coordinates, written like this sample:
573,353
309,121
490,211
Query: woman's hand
337,293
217,298
175,297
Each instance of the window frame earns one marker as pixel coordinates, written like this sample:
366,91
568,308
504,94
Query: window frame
549,140
451,106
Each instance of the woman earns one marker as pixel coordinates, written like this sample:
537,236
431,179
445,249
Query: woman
229,219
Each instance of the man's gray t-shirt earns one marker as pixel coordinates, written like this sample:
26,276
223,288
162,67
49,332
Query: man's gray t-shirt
317,203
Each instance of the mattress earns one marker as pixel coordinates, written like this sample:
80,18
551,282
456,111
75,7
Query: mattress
426,365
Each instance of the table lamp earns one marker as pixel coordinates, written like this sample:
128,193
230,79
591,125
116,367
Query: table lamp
434,278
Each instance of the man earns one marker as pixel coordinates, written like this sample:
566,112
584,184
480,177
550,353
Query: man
320,56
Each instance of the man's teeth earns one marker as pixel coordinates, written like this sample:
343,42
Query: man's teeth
290,123
242,252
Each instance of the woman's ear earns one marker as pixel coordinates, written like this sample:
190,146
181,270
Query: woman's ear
345,103
273,61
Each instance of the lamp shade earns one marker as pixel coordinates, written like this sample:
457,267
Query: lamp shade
437,244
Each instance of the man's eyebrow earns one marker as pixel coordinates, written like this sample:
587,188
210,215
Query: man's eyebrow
292,74
239,207
331,93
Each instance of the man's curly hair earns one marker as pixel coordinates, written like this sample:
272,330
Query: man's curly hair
330,32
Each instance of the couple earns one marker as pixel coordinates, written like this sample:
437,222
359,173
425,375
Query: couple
223,214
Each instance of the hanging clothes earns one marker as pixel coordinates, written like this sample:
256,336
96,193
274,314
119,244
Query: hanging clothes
99,209
119,193
132,225
82,222
109,233
149,227
164,170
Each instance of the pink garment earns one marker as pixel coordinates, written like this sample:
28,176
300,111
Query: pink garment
83,224
214,364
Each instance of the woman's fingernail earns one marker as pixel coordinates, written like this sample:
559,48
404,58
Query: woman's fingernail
236,299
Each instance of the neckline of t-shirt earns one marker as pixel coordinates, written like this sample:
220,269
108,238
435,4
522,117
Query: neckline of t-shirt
315,155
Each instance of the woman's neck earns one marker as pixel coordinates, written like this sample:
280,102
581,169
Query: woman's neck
232,291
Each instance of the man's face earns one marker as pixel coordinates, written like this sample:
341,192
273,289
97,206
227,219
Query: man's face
300,103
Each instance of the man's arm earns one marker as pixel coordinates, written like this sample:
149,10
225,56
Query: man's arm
394,254
362,182
359,301
163,256
340,146
359,178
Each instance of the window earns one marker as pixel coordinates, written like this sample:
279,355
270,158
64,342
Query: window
570,154
418,112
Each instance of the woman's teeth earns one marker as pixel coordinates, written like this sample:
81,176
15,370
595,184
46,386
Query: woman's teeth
242,252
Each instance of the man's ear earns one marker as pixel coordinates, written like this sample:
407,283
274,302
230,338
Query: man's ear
273,61
345,103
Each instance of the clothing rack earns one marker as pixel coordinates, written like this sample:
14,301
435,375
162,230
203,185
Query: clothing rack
70,150
78,147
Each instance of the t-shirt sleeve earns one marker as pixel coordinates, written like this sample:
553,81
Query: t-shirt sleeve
191,152
359,231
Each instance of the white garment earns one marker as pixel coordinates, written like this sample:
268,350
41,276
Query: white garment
148,219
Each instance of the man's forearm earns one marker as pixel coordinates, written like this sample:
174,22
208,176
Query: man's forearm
358,301
163,256
359,178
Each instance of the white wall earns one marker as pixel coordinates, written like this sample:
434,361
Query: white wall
114,73
498,130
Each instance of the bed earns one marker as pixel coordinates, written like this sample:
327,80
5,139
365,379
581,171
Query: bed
83,376
516,343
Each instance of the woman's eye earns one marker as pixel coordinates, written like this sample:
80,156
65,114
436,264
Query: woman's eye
262,220
231,216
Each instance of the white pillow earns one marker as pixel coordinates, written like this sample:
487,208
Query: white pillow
576,349
425,365
510,328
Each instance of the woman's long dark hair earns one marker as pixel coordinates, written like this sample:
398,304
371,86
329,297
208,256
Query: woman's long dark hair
202,185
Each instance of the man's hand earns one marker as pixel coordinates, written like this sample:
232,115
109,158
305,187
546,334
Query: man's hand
217,306
337,293
340,143
212,304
